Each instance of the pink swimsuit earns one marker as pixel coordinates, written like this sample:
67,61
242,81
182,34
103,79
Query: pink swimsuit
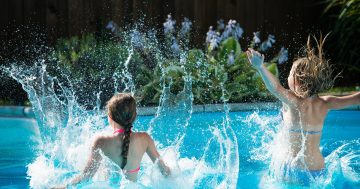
126,171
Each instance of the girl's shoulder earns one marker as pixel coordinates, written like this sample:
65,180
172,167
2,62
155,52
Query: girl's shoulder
141,135
100,140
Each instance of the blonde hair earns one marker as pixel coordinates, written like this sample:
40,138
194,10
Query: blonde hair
313,73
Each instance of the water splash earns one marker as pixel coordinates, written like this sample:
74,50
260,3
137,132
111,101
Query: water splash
271,148
124,77
70,115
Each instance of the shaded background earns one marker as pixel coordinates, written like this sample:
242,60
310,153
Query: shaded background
290,21
65,18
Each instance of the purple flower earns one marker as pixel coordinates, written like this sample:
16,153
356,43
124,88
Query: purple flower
256,37
111,26
169,25
214,43
221,24
175,47
136,39
268,43
212,38
231,58
210,34
185,26
232,29
283,55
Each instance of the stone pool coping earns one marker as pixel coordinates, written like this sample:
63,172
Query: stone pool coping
16,111
21,111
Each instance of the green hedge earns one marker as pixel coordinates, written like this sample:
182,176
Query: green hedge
91,63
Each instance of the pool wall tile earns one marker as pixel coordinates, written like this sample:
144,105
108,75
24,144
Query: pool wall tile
147,110
198,108
213,107
12,110
20,111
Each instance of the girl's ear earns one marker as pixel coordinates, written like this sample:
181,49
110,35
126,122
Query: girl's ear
109,119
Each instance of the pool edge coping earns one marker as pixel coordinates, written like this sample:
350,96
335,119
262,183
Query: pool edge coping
24,111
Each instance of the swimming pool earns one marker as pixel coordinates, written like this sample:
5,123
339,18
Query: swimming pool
19,138
254,132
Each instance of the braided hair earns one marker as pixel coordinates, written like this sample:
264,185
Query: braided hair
313,72
122,109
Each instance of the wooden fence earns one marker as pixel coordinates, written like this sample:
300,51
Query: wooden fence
63,18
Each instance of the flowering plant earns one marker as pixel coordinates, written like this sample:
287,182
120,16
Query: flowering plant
218,72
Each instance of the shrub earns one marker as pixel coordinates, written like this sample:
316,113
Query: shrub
220,72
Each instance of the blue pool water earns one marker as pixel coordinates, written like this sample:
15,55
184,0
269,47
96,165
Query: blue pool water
19,139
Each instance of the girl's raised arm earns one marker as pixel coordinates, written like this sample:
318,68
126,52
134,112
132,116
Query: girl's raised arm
271,82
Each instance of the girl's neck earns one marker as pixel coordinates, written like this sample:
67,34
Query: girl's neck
116,126
121,131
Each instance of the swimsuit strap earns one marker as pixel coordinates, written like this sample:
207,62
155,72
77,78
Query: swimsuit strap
119,131
132,171
303,131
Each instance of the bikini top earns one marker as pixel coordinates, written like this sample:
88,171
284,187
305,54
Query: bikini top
301,130
121,131
305,132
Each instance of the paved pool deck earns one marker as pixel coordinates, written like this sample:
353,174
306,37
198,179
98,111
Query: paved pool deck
21,111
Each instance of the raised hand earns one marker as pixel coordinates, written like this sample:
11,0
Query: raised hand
255,58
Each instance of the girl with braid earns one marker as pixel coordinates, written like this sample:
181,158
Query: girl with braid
125,148
304,111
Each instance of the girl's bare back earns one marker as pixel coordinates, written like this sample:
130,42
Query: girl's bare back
140,143
306,123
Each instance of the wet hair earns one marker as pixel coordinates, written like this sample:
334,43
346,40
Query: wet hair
313,72
122,109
